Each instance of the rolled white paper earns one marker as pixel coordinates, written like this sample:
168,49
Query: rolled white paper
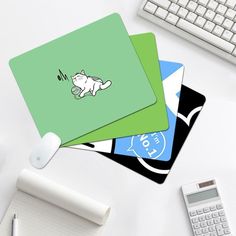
63,197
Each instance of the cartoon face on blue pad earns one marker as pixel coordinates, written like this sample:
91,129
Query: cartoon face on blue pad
157,145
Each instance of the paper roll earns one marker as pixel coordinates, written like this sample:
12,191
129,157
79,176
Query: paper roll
63,197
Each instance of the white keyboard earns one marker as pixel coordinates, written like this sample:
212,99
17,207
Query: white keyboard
210,24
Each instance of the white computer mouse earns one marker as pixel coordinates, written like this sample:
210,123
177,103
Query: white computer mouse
45,150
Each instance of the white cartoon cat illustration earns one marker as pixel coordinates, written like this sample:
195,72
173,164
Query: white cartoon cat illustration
89,83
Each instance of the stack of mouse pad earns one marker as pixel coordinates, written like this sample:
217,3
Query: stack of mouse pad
101,90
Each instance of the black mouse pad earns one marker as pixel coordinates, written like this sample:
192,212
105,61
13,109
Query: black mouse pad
190,105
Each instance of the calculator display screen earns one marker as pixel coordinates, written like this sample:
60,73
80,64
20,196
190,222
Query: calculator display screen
201,196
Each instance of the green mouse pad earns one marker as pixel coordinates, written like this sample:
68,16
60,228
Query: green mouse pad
150,119
84,80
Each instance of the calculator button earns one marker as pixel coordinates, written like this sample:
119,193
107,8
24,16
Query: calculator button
196,226
192,213
212,228
217,220
218,227
198,232
213,234
219,206
215,214
220,232
194,220
200,211
222,219
201,218
205,230
227,231
206,209
225,225
221,213
210,222
203,224
208,216
213,208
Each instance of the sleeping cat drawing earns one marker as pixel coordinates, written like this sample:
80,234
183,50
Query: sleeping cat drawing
84,84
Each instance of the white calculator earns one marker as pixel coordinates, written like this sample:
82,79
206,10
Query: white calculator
205,209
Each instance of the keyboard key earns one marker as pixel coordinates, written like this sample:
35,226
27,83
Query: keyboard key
171,18
234,53
221,9
200,21
150,7
191,17
230,3
162,13
209,15
218,20
182,12
203,2
212,5
173,8
227,24
183,3
221,1
230,14
209,26
218,30
162,3
208,37
191,6
200,10
234,28
227,35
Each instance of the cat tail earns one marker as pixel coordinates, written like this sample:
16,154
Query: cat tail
106,85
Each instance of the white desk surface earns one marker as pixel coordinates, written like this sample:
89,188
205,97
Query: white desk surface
139,206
